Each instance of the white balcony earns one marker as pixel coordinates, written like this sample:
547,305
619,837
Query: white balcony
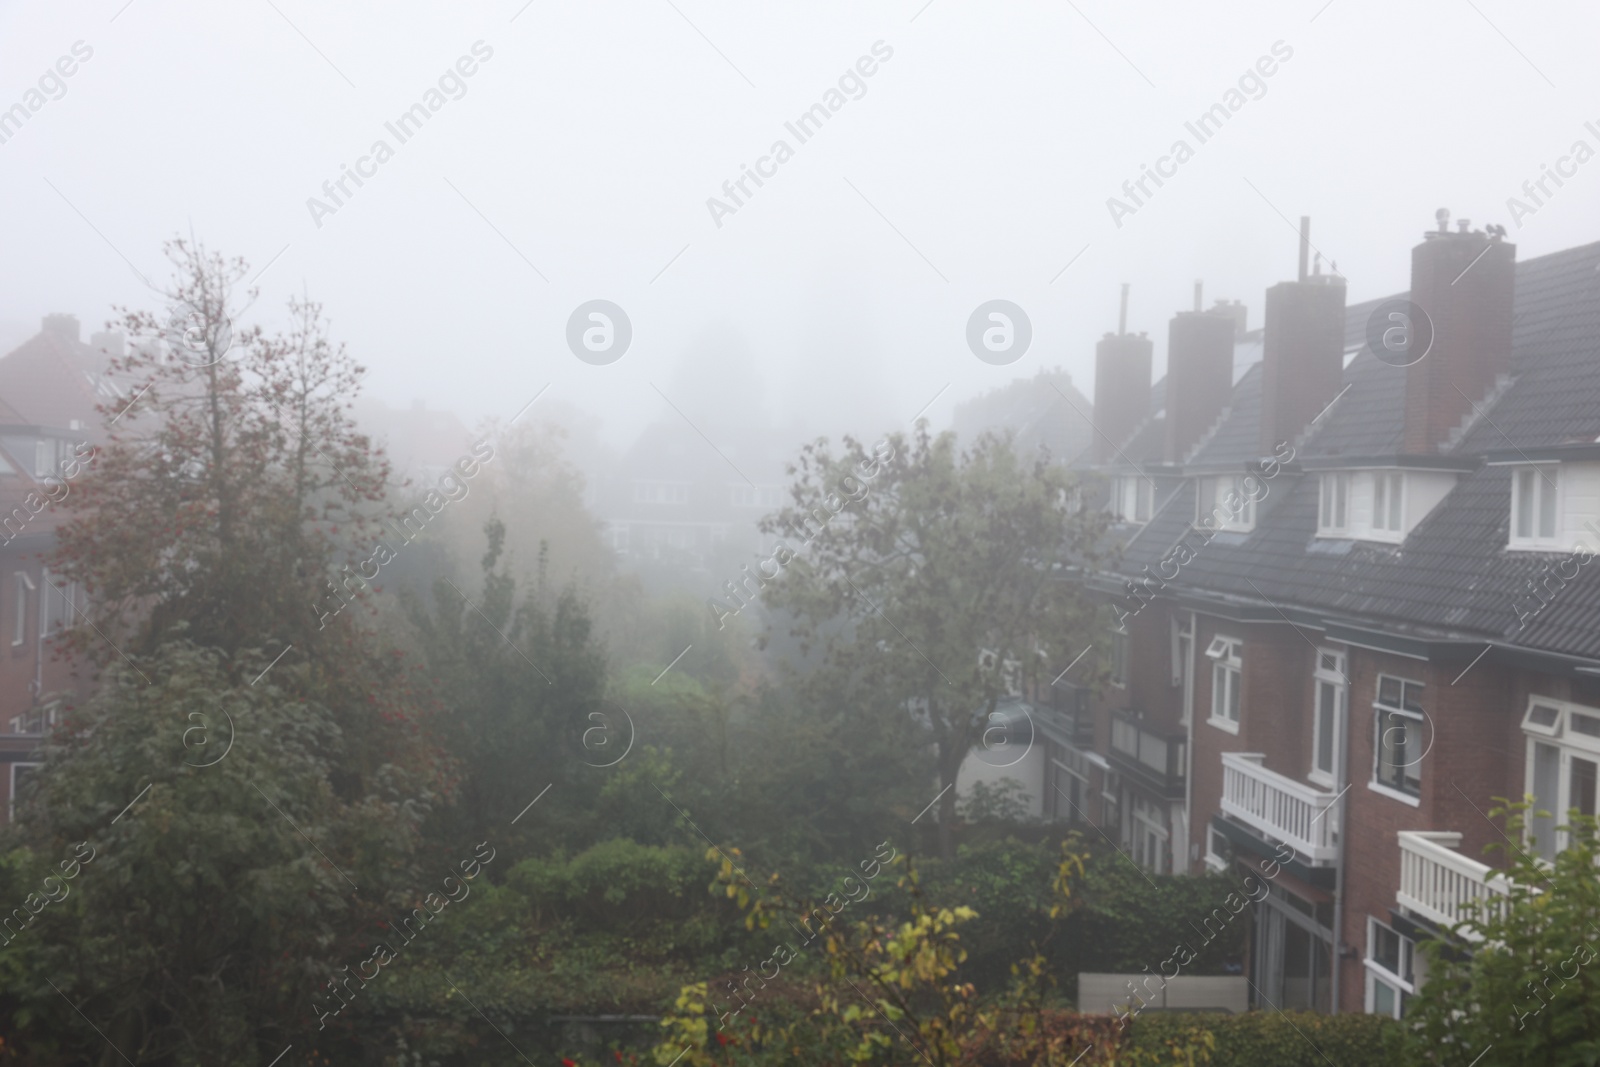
1280,807
1436,881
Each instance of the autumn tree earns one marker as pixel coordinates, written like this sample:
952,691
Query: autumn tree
921,580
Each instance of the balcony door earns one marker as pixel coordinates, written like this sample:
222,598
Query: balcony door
1563,768
1293,954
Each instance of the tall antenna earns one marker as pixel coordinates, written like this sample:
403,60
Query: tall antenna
1305,244
1122,318
1197,294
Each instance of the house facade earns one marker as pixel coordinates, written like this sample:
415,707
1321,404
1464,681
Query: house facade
1353,606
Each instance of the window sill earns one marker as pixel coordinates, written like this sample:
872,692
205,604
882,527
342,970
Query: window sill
1534,546
1227,726
1216,863
1318,778
1395,794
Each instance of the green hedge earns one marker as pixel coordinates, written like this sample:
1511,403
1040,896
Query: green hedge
1274,1039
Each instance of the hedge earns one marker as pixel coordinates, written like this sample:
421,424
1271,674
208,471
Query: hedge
1274,1039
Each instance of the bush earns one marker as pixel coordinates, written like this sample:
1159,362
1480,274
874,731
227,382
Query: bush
1271,1038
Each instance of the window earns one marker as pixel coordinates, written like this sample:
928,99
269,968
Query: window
1119,659
1225,678
1229,502
1390,963
22,585
1387,502
59,600
1397,736
19,774
1563,768
1533,506
1219,850
744,496
1132,498
660,493
1335,499
1329,679
1149,836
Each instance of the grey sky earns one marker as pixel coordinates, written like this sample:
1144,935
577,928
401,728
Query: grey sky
593,136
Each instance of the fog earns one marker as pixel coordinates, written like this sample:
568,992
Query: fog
579,161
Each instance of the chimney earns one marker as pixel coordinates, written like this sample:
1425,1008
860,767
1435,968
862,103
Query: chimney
62,326
1121,385
1302,358
1240,314
1465,283
1199,374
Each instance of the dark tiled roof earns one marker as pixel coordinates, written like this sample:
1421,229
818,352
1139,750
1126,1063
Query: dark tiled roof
1453,575
1236,440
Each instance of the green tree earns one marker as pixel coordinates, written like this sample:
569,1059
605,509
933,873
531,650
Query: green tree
918,578
1520,982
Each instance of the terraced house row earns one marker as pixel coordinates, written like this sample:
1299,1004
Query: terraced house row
1384,633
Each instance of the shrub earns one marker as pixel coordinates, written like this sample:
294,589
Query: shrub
1271,1038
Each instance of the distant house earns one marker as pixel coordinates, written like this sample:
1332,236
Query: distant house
1044,411
49,389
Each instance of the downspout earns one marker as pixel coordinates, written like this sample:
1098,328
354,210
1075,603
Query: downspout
1190,674
1338,888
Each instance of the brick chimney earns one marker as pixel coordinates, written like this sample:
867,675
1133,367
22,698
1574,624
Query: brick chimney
1302,357
1466,283
1121,385
1199,375
62,326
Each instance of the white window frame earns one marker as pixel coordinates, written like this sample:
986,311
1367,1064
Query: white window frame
11,803
1333,505
1227,677
1571,743
1152,838
1329,670
1209,503
1119,659
1133,498
21,586
1388,505
1377,973
1380,710
1544,480
1214,859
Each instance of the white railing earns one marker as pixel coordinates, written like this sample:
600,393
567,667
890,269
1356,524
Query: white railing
1280,807
1436,882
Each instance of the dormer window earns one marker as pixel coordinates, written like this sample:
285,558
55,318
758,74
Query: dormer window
1388,502
1332,513
1228,502
1534,498
1132,498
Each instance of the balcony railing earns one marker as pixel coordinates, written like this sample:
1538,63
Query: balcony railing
1280,807
1152,756
1437,882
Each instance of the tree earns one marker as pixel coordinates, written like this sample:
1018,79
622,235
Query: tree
233,482
920,579
1519,983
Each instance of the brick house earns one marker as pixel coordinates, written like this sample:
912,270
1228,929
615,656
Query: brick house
1354,602
49,388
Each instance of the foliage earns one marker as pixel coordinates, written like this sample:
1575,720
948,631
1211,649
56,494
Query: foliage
218,897
1263,1038
1004,801
924,571
1521,975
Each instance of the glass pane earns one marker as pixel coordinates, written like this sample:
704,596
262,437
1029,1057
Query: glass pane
1386,948
1378,513
1543,715
1383,998
1524,503
1585,724
1546,779
1326,516
1389,691
1547,507
1584,774
1326,710
1340,486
